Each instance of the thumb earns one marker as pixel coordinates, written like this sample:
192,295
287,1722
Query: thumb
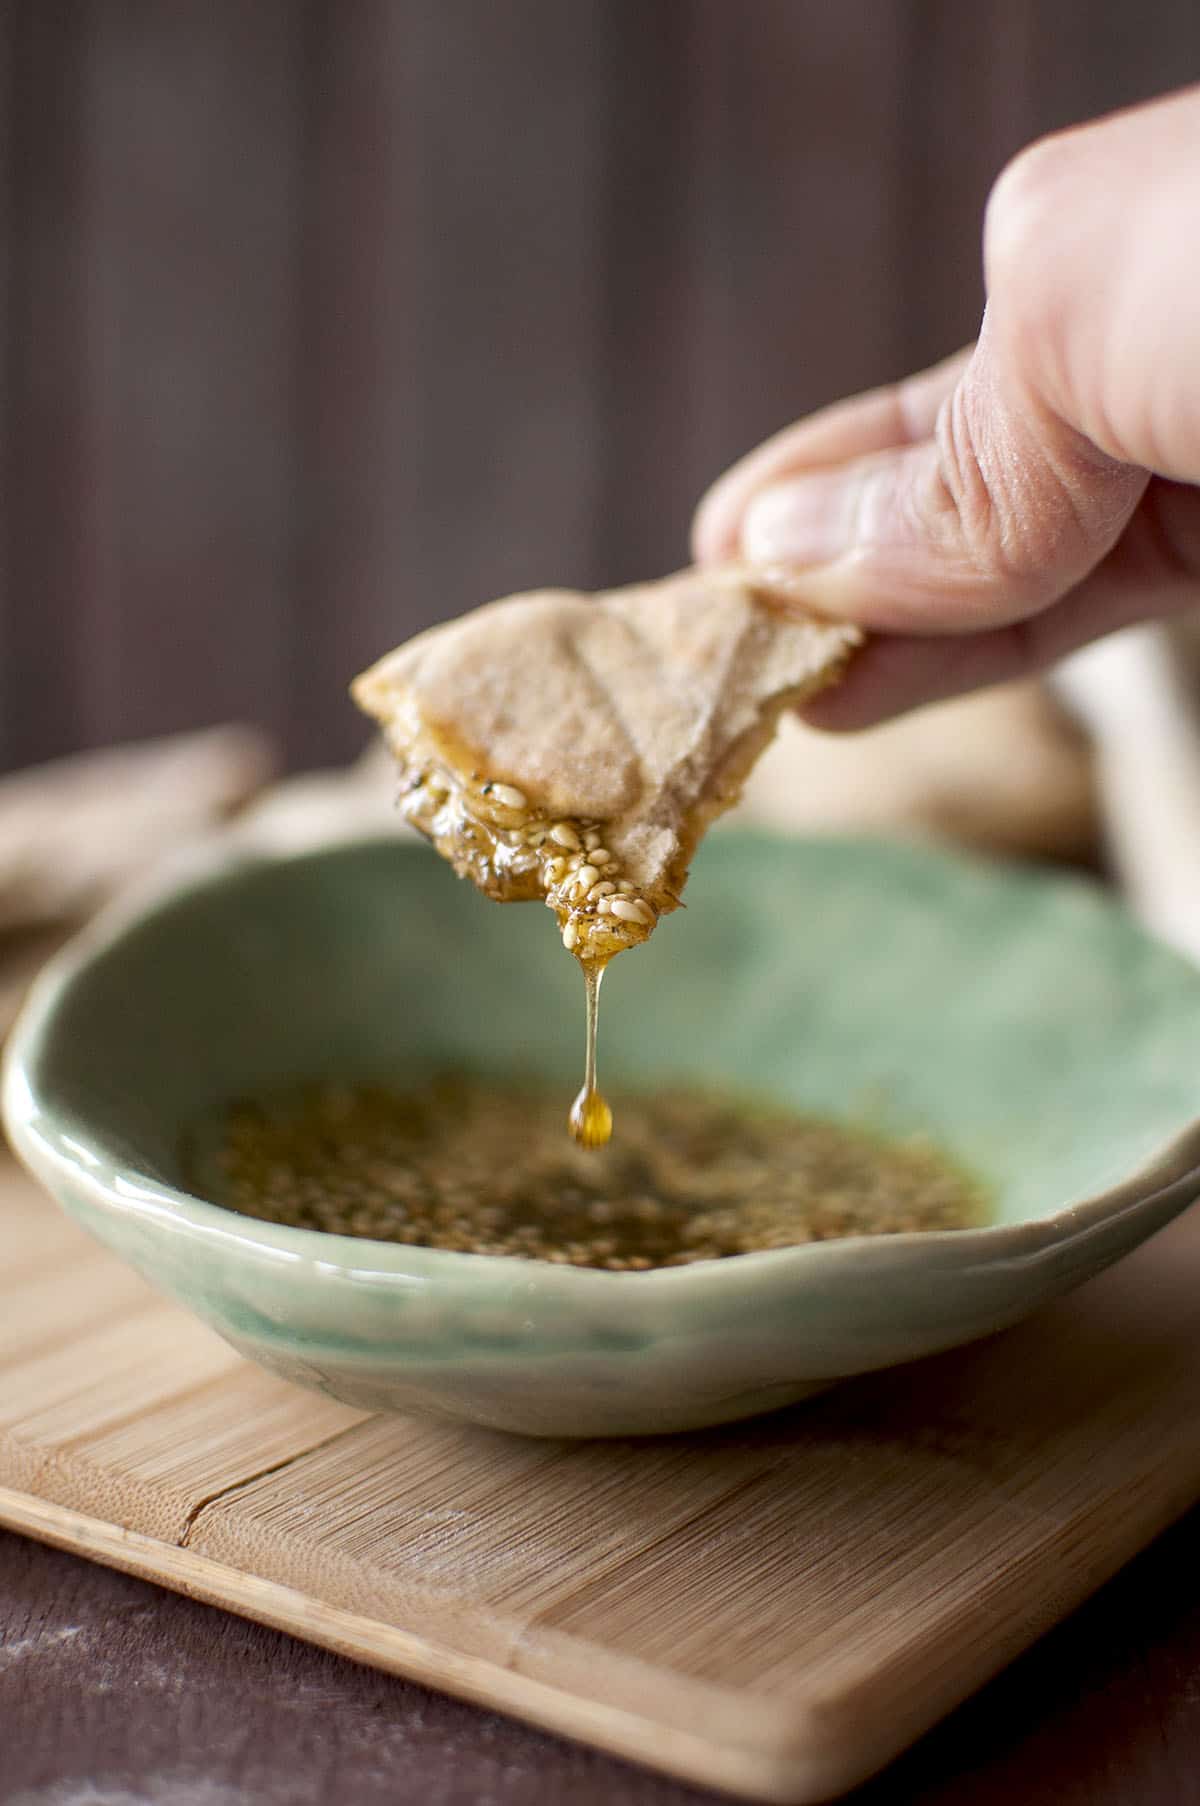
1003,510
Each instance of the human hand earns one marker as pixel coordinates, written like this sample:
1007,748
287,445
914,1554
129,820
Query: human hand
1040,489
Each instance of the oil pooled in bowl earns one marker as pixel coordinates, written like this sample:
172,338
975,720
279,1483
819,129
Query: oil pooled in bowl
480,1166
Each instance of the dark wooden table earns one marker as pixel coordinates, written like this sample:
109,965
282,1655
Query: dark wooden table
113,1693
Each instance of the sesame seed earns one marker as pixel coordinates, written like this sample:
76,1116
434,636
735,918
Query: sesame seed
625,887
570,936
564,835
482,1166
507,795
603,888
627,909
585,877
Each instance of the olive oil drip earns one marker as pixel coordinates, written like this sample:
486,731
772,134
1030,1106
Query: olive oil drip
590,1121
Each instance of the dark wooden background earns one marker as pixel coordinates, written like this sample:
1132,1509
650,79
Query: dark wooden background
321,319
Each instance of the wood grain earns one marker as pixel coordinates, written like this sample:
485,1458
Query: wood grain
324,321
192,160
49,423
112,1687
359,377
776,1608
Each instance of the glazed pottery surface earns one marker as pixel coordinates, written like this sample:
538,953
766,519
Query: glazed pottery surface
1021,1020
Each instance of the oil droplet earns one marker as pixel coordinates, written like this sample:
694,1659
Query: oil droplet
590,1121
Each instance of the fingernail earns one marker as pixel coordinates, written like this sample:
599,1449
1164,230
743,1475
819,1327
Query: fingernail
807,520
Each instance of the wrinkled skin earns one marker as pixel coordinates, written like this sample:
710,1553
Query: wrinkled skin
1038,490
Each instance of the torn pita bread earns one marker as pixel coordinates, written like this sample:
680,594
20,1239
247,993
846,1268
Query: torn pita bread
73,833
575,748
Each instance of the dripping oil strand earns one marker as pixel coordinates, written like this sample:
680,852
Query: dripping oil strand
590,1121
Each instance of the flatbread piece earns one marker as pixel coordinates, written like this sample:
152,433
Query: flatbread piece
575,748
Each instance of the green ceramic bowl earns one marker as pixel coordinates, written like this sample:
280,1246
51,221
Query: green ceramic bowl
1023,1021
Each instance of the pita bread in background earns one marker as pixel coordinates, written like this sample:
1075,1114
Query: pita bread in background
74,832
1004,771
322,808
576,748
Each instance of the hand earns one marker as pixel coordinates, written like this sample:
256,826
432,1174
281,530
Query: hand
1036,491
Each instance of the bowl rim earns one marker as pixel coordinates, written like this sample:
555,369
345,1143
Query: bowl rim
54,1155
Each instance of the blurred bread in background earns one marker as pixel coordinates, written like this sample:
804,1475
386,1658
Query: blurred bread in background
1006,771
76,832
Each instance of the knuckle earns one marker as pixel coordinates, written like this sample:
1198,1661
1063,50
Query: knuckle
963,504
1014,508
975,504
1026,204
1026,299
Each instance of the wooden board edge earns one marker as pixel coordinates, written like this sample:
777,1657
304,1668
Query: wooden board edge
763,1775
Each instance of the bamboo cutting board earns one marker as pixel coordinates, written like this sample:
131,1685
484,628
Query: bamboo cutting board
775,1608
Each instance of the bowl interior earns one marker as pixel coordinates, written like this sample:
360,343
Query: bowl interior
1022,1021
